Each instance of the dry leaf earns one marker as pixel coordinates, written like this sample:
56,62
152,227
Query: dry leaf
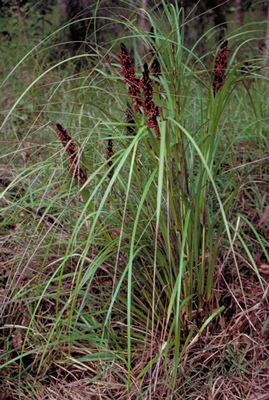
265,215
264,269
257,258
258,396
17,339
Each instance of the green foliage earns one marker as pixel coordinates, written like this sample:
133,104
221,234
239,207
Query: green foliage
32,16
121,270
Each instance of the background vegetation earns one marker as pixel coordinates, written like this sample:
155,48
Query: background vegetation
140,269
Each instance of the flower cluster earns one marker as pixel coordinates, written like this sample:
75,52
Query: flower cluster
153,122
69,144
220,67
110,154
129,76
148,104
146,85
146,100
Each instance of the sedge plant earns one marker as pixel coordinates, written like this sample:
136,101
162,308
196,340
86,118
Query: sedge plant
128,229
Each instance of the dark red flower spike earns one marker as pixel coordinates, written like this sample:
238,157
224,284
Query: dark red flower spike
146,85
70,146
148,104
129,76
146,101
220,67
110,153
153,122
127,65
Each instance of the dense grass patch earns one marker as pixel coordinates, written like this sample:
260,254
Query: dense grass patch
135,253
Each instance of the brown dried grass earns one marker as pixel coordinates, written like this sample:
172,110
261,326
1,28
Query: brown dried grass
229,361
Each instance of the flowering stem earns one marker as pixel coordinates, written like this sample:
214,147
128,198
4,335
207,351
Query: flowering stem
70,146
129,76
220,67
110,153
151,109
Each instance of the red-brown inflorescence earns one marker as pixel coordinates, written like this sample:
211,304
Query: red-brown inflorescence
127,65
146,101
154,122
110,153
148,104
70,146
146,85
155,66
220,67
129,76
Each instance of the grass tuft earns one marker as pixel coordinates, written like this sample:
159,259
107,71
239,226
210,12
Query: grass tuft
139,269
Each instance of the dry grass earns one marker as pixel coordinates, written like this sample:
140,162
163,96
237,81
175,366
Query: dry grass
229,361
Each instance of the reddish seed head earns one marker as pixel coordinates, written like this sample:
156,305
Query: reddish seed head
149,106
135,85
110,154
63,135
220,67
153,122
146,85
127,65
68,142
129,76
